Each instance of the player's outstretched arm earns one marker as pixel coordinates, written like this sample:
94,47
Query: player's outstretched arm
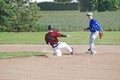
62,35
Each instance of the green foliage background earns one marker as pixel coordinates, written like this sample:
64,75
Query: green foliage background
99,5
22,16
76,21
53,6
18,15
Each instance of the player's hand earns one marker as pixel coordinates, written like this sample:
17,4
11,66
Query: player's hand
85,29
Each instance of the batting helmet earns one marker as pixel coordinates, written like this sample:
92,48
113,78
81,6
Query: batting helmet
50,27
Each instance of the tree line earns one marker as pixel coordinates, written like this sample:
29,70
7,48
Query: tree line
53,6
18,15
99,5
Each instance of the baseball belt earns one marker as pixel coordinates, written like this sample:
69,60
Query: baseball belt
55,45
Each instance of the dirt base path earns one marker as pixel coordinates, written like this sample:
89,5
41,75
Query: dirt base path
105,65
47,48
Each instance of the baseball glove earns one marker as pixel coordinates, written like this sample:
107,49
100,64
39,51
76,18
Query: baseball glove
100,35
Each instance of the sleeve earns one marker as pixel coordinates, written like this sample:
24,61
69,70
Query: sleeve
57,34
90,23
60,35
96,25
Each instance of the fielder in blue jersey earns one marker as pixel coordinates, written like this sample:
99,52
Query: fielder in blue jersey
94,28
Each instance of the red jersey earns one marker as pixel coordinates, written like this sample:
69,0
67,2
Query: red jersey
51,37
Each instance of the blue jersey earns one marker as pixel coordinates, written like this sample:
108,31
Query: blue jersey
94,26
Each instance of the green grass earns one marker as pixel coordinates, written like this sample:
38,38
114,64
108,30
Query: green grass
21,38
109,38
9,55
75,38
75,20
78,38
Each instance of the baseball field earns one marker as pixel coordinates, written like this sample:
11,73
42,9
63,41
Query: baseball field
105,65
25,56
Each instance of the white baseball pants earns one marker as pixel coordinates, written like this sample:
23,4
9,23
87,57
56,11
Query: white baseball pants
93,36
62,45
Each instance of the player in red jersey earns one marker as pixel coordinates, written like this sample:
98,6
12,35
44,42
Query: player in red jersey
52,38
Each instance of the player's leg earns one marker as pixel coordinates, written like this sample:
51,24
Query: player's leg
92,38
65,45
57,51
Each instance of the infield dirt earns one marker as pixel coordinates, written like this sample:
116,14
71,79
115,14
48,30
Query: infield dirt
105,65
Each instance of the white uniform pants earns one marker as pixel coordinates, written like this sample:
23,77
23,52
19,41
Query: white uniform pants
62,45
93,36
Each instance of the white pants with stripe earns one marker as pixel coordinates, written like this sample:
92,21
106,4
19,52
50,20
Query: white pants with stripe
93,36
62,45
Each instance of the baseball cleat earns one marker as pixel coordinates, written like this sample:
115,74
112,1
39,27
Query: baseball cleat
72,51
93,52
89,49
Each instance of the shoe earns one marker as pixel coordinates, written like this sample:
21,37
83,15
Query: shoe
89,49
93,52
72,51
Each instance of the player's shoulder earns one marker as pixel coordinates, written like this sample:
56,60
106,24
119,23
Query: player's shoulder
93,20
